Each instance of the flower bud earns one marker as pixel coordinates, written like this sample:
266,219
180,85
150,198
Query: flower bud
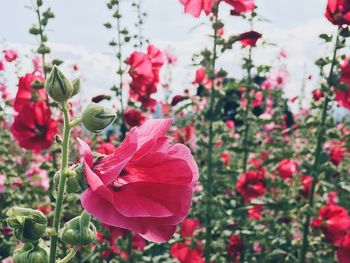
96,117
31,254
78,231
72,182
59,88
28,225
76,86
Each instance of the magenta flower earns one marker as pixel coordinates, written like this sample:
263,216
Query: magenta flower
146,185
195,7
10,55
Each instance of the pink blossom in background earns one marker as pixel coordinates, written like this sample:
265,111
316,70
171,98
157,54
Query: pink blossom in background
196,7
2,183
10,55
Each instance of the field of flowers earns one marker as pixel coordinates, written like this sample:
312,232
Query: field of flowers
225,170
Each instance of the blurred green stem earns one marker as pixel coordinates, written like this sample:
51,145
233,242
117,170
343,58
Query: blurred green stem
317,154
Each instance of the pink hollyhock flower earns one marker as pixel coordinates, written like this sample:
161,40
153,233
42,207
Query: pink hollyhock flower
225,157
338,12
249,38
38,177
343,96
334,221
33,127
188,227
4,92
196,7
240,6
26,92
230,124
287,168
184,253
317,94
136,188
38,65
2,66
2,183
306,182
255,212
251,184
343,253
235,247
106,148
201,77
134,117
337,154
10,55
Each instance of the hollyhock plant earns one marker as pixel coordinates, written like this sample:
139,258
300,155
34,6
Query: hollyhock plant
38,177
196,7
337,154
255,212
338,12
249,38
140,172
334,221
33,127
26,92
251,184
306,182
235,247
287,168
10,55
317,94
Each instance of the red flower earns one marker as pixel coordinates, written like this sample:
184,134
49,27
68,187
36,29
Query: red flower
27,93
2,66
196,7
106,148
337,154
306,182
186,254
249,38
255,212
134,117
343,253
235,247
241,6
317,94
33,127
188,227
225,157
287,168
177,99
343,96
251,184
136,188
184,135
144,71
10,55
334,221
338,12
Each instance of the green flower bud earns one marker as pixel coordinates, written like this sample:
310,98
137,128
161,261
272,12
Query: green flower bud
31,254
96,118
76,86
72,182
28,225
59,88
78,231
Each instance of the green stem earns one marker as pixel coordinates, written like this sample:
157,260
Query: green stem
41,32
209,179
69,256
120,73
62,181
317,154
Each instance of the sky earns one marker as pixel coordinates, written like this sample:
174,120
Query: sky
77,36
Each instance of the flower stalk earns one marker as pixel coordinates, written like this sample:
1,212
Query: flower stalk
317,154
209,179
62,181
